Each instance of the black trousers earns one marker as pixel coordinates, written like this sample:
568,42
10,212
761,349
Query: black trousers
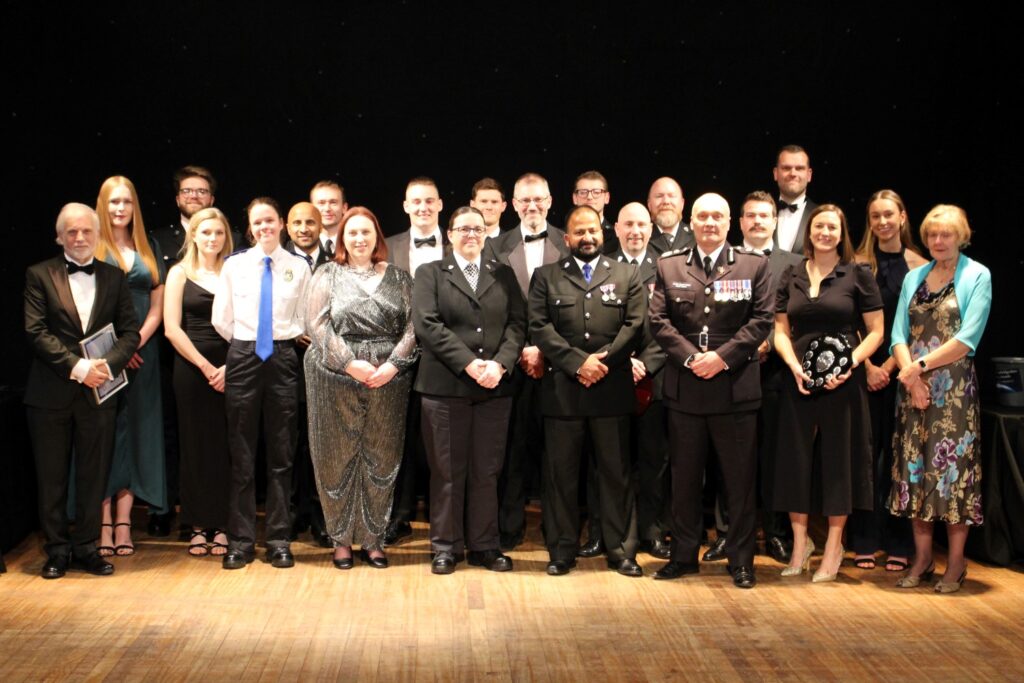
465,441
734,436
306,508
254,388
85,434
525,445
403,509
564,438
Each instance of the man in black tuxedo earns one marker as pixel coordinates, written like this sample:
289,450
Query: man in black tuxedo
586,315
711,309
304,229
665,201
488,197
526,247
793,172
68,298
329,199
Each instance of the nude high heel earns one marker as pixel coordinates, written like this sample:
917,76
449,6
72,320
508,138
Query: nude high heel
820,577
805,564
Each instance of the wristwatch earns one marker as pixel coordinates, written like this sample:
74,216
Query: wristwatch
924,366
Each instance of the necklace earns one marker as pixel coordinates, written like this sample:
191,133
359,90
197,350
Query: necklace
361,273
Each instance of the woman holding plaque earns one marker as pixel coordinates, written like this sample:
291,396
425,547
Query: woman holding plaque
824,454
936,475
199,367
137,470
358,375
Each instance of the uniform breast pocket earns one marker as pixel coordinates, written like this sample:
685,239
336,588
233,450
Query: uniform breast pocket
680,299
561,306
614,309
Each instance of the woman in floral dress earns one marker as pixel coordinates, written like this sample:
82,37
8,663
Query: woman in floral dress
942,312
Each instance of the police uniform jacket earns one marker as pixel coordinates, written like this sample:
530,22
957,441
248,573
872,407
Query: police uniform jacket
571,318
455,325
734,308
648,349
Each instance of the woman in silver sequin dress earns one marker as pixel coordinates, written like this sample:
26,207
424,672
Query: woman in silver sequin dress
358,375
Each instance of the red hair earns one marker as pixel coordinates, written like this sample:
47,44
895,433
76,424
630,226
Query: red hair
380,249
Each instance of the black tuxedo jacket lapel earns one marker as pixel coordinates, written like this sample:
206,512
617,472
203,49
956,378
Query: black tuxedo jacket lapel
59,275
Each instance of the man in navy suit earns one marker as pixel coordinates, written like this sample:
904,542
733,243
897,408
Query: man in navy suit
68,298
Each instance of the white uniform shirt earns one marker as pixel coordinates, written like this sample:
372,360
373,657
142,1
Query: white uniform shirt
236,304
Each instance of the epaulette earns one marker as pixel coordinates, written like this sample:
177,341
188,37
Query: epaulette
751,252
236,252
685,251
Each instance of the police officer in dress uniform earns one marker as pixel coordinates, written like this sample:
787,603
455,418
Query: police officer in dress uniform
711,309
586,315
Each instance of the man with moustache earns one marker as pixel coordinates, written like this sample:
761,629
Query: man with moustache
591,189
665,201
422,243
304,229
67,299
711,309
586,314
528,246
793,172
329,199
488,198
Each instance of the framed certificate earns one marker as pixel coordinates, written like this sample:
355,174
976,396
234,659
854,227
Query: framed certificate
98,345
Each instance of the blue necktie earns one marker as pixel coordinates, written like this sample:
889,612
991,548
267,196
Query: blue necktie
587,272
265,326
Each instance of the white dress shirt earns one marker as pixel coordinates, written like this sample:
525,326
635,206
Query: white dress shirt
83,292
425,254
534,250
236,304
789,223
713,255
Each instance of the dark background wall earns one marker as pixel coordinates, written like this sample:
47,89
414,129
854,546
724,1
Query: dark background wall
273,98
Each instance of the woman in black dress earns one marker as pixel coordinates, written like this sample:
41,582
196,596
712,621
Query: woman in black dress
199,380
824,455
888,248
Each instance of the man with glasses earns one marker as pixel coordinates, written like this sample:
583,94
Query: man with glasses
665,201
528,246
591,189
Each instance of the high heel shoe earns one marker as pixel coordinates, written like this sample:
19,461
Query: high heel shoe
106,550
909,581
805,563
821,577
951,586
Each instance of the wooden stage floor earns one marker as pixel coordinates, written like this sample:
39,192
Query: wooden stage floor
167,617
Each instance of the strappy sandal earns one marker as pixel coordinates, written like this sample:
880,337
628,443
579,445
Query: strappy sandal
217,548
198,549
865,562
106,550
128,549
892,565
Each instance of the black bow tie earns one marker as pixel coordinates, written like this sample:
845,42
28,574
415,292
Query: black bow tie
766,252
75,268
424,241
792,207
535,236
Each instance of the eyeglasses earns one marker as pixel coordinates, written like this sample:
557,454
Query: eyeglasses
470,230
596,193
525,202
194,192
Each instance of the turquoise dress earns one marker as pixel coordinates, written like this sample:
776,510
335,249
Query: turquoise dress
138,463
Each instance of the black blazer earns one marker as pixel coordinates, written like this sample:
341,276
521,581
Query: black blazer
54,329
683,238
398,249
648,349
322,256
509,248
571,318
455,325
172,238
801,232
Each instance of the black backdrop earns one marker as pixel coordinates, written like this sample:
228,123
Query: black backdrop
275,97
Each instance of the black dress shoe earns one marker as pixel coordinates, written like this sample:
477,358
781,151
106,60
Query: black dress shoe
717,550
321,538
778,549
626,567
343,562
493,560
510,541
673,570
92,563
560,567
656,548
396,532
375,562
591,548
55,567
280,558
237,559
443,563
743,576
159,526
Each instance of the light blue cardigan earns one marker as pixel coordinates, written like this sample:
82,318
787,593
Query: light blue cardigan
972,283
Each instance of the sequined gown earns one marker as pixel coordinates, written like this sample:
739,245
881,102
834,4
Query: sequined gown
356,434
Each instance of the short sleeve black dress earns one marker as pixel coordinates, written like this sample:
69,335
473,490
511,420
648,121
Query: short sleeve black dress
824,449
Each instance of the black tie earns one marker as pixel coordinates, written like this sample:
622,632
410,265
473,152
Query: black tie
792,207
634,262
707,265
75,268
536,236
329,245
425,241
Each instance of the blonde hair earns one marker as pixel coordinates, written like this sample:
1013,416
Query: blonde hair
949,215
138,229
866,250
190,252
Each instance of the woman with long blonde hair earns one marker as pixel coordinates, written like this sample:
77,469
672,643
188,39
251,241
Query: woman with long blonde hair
137,470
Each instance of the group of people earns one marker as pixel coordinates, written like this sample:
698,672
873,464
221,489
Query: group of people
643,361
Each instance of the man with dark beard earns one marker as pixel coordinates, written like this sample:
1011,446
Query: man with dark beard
586,316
